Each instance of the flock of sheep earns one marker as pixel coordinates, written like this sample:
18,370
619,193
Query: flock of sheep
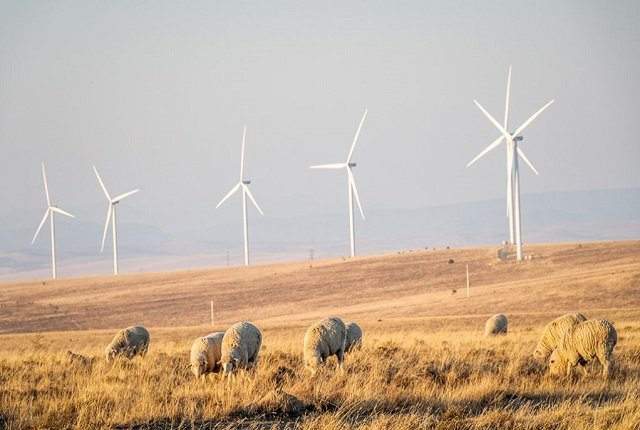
239,346
566,342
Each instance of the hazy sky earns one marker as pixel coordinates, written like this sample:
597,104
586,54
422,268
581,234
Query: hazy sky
156,95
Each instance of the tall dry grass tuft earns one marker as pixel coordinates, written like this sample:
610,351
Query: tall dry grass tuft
416,380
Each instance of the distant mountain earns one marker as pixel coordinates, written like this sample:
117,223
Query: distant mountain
547,217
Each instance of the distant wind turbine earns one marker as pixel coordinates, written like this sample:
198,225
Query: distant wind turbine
351,184
111,215
242,185
513,169
49,213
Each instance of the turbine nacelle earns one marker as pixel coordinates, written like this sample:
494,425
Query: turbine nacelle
351,164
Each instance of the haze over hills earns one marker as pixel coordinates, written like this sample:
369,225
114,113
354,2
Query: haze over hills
175,242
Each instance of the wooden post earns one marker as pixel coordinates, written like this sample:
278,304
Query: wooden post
467,281
211,313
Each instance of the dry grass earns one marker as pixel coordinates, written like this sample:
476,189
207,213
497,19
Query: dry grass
402,380
423,365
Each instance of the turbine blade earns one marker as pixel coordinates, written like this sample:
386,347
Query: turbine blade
46,187
60,211
233,190
509,180
329,166
106,193
122,196
493,121
246,189
244,134
352,184
534,116
526,160
355,139
106,226
506,103
44,219
487,149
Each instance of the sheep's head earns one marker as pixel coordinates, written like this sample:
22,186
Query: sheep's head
230,365
312,364
538,354
199,367
110,353
557,363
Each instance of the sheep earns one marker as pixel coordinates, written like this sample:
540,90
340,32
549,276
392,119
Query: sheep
323,339
206,353
582,343
553,332
128,343
240,347
353,337
497,324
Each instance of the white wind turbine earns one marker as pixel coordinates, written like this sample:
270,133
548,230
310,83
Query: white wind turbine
513,169
351,183
245,192
111,216
49,213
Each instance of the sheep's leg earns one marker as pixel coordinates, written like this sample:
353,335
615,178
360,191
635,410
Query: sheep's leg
584,368
340,355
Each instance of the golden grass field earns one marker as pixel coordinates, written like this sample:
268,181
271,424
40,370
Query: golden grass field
424,363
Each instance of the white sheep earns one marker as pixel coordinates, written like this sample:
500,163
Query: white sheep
353,338
497,324
206,353
323,339
128,343
553,332
582,343
240,347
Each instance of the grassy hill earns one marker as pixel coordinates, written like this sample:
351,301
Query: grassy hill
424,363
422,284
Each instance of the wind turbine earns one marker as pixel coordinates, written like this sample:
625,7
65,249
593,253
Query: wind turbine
513,165
111,216
351,184
49,213
242,185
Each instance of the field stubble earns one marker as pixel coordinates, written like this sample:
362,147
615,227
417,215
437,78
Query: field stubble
407,380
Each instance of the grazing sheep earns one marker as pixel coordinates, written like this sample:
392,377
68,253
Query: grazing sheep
129,342
582,343
240,347
497,324
353,337
323,339
206,353
553,332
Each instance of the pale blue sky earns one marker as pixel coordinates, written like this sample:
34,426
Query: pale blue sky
156,94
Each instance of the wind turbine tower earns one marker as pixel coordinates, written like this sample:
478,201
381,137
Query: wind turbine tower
51,209
514,153
111,216
351,184
243,185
